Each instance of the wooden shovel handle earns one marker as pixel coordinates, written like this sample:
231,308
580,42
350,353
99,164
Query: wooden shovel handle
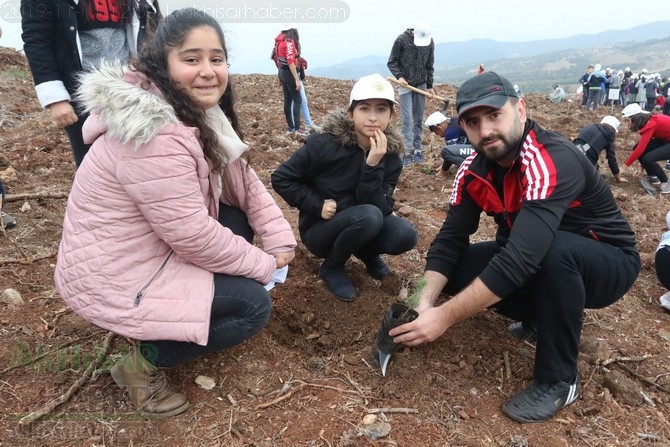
393,80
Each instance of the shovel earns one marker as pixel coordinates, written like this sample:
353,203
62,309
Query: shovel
446,101
383,346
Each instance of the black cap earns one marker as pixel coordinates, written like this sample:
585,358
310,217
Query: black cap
487,89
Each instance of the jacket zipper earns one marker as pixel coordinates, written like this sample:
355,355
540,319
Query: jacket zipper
140,293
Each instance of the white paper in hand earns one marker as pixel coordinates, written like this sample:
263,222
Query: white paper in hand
279,276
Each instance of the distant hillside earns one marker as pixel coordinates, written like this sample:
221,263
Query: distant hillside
537,65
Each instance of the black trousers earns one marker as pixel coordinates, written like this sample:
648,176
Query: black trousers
79,148
292,99
577,273
662,266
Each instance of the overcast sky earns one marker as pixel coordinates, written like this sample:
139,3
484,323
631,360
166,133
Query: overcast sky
334,31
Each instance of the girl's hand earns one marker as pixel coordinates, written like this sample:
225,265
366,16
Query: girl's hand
283,259
329,209
63,113
377,148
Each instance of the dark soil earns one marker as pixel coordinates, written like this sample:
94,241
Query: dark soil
307,379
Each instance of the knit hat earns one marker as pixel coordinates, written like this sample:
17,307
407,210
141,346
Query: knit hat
372,86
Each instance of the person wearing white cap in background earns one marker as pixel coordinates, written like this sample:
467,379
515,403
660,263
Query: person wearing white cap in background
614,90
595,81
594,138
457,147
342,181
662,264
654,144
411,62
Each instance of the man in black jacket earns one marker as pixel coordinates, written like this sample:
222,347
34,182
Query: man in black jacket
562,243
411,62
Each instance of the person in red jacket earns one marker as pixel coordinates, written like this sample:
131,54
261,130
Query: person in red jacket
562,243
286,53
654,144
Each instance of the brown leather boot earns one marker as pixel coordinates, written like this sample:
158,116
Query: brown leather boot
147,386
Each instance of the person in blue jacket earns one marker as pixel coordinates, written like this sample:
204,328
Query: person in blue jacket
457,147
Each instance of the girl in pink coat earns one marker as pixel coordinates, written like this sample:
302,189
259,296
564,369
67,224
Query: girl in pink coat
157,238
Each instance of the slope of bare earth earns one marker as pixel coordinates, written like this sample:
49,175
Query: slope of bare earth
306,380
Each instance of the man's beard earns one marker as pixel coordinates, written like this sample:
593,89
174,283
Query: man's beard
510,144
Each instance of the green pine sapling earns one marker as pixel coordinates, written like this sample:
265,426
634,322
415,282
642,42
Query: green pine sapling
412,301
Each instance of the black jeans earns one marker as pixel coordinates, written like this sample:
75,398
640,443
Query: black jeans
662,266
361,230
79,148
577,273
240,308
655,151
292,99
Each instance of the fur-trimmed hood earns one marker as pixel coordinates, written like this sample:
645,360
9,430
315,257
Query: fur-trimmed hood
338,125
122,107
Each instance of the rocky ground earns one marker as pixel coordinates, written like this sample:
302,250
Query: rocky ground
307,380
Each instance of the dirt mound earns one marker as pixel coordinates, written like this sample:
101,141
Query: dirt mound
307,379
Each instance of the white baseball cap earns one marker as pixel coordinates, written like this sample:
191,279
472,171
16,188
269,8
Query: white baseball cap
632,109
612,121
422,34
434,119
372,86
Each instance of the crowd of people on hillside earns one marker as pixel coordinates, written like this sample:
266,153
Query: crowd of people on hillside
214,247
614,87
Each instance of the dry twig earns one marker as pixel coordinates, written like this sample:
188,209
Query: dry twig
50,406
37,195
302,385
391,410
41,356
624,359
27,260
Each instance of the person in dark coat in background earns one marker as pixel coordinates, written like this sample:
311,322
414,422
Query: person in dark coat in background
62,40
411,62
594,138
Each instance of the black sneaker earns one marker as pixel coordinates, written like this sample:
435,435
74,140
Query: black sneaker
377,268
523,330
541,401
338,282
653,180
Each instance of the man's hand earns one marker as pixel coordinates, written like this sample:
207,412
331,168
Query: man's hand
402,82
429,325
432,92
329,209
63,113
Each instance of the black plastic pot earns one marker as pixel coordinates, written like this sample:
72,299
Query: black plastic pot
397,315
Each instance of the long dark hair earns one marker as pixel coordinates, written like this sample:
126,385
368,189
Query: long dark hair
293,35
639,121
152,62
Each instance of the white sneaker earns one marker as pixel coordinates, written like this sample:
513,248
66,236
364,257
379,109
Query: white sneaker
665,188
665,301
